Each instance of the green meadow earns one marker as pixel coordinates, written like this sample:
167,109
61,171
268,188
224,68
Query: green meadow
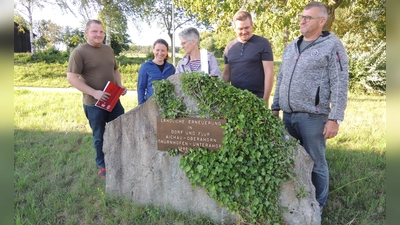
55,176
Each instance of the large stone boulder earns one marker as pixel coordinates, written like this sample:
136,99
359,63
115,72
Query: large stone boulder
298,195
138,171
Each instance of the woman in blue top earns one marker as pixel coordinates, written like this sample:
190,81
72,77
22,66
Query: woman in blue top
157,69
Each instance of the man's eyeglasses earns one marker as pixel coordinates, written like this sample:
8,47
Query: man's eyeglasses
307,18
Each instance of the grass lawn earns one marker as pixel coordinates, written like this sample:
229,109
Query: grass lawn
55,176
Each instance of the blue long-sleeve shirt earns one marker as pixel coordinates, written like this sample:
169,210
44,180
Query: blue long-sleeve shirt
149,72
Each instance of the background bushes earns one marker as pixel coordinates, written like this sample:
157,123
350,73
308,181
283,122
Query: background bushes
367,69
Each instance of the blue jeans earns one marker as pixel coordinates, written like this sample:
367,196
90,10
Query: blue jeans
97,120
308,129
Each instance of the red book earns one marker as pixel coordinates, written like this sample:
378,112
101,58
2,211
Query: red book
115,92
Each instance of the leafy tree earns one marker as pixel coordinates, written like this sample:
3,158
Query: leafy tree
113,13
276,20
209,40
360,24
366,19
27,8
118,43
170,17
367,69
362,27
115,20
48,34
73,37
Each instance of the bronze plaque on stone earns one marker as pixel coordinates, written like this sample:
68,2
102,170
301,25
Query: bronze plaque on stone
185,133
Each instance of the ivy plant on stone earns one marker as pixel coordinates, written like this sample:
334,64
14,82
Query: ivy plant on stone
245,174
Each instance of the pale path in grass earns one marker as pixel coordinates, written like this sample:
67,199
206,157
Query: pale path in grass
60,89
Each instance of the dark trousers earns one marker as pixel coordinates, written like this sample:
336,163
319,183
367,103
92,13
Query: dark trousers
97,120
308,128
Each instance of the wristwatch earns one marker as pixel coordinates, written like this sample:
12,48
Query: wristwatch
336,121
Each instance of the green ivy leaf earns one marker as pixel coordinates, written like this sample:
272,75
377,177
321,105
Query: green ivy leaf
186,168
255,158
255,201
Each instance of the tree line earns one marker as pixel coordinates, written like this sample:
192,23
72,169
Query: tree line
360,24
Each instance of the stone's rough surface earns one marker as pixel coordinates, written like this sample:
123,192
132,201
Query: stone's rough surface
298,195
138,171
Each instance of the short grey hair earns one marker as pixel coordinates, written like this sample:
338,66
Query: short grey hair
323,10
190,34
